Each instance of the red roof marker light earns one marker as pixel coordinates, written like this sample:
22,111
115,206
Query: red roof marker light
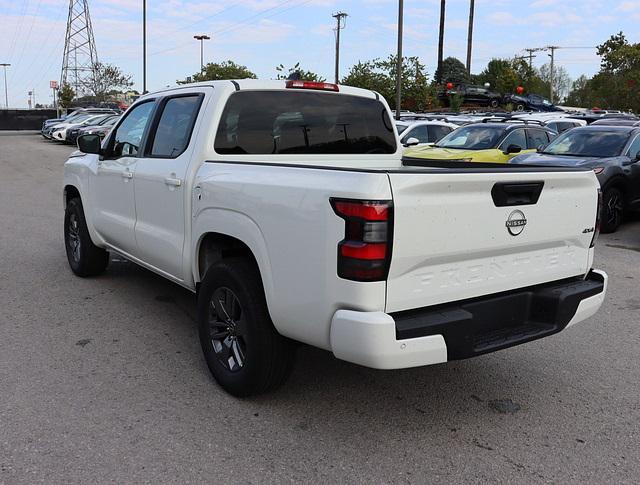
312,85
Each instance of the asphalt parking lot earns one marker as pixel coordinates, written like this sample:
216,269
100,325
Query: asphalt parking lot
102,380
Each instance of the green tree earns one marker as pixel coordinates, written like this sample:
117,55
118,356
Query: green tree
107,78
284,73
561,82
617,84
380,75
581,93
215,71
66,94
453,71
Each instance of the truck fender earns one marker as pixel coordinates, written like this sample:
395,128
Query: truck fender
241,227
74,180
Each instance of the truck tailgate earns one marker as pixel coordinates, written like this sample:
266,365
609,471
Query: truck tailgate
460,235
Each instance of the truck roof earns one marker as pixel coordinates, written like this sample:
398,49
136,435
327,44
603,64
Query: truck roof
259,84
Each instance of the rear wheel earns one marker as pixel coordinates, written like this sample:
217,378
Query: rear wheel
494,103
519,107
243,350
85,258
612,209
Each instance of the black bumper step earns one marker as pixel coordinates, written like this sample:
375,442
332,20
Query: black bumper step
481,325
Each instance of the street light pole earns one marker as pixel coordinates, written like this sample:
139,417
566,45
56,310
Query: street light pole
201,38
339,26
6,95
472,7
552,48
399,60
144,46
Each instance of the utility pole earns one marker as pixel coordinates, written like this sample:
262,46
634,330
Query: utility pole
531,56
472,7
341,23
399,59
144,46
6,95
201,38
443,5
552,48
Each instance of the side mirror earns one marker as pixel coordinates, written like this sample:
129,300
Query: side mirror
513,149
637,157
541,148
90,144
409,142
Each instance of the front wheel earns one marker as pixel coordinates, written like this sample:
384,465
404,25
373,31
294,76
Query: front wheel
494,103
85,258
612,209
243,350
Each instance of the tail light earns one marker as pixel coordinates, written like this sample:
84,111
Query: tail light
365,252
596,231
312,85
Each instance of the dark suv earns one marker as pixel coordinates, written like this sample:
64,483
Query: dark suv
529,102
471,94
612,152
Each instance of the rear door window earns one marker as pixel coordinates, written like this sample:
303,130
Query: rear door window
290,122
516,137
537,138
173,132
436,132
420,133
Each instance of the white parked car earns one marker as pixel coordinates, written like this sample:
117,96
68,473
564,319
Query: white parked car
559,122
59,132
286,207
421,133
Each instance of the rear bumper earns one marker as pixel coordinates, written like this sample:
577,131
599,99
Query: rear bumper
464,329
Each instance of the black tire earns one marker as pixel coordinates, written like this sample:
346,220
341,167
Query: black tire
494,103
85,258
612,210
519,107
249,356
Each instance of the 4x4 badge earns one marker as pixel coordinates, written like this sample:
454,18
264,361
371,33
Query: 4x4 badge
516,222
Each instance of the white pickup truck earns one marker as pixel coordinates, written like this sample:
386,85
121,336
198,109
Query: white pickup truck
287,208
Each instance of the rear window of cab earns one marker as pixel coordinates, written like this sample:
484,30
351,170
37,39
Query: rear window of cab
298,122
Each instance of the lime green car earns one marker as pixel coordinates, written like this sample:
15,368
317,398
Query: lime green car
486,142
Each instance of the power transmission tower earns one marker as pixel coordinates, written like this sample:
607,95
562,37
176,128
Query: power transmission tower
341,23
80,59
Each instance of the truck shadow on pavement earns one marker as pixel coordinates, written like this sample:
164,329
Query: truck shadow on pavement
491,384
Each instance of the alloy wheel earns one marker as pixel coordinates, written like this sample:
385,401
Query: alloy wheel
73,237
227,329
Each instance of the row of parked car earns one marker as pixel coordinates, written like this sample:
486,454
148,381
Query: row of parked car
608,143
484,96
82,121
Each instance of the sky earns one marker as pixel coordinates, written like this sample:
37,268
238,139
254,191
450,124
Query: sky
262,34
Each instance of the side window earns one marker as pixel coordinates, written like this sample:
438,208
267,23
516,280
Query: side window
172,135
436,132
419,133
516,137
127,137
634,148
537,138
554,126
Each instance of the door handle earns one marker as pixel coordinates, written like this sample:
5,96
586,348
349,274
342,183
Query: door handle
174,182
127,175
